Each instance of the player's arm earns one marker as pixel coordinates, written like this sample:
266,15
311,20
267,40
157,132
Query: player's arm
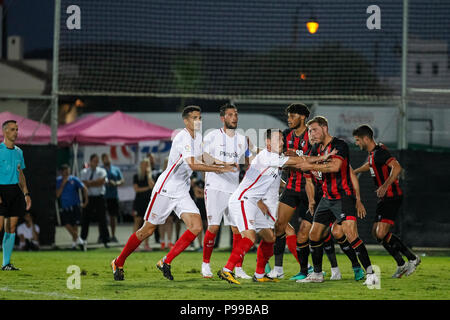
198,165
361,211
396,169
310,193
262,206
333,165
365,167
24,188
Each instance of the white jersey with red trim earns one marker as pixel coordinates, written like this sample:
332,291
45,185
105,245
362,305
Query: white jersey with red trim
175,181
226,149
263,173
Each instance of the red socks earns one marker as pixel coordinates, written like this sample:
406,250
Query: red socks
132,244
239,252
181,244
291,242
208,246
236,239
265,251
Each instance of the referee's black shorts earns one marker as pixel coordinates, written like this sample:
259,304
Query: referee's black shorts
12,201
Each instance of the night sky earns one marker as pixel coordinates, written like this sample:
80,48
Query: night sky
259,25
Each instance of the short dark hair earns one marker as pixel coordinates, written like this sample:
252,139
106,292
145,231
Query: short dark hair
64,167
93,156
298,108
4,124
104,155
189,109
321,121
268,133
363,131
225,107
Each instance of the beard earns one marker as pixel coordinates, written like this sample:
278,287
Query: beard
230,126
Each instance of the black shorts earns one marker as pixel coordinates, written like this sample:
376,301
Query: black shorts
299,201
112,205
12,201
328,211
387,210
70,215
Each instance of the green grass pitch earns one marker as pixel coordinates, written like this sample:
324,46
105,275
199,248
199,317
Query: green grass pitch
44,277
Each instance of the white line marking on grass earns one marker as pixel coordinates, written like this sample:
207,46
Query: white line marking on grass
50,294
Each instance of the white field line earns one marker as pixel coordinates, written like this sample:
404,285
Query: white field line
50,294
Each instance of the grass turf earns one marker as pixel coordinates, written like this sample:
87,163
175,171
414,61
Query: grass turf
44,276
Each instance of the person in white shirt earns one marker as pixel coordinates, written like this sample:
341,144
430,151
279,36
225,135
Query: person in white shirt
171,193
248,210
94,178
221,146
28,233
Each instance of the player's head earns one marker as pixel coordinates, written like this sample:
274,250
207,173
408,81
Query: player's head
10,130
297,113
65,170
192,117
363,136
105,159
274,140
93,160
229,116
318,129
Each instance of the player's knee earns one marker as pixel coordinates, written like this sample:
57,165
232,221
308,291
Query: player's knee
145,231
213,229
380,234
314,235
196,227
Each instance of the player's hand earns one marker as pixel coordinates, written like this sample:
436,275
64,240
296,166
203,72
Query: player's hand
327,156
304,166
291,153
28,202
262,206
311,207
381,191
84,204
360,209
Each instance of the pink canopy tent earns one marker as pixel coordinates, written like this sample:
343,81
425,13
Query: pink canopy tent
30,131
67,133
120,128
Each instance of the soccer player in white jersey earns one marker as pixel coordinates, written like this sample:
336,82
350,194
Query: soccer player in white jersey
263,172
171,193
223,146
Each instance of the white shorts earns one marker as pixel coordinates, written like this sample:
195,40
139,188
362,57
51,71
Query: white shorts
273,212
216,203
161,206
248,216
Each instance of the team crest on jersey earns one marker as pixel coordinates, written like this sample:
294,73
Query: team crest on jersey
187,148
303,143
252,222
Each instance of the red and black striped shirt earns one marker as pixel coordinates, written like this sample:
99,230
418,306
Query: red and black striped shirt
336,184
296,180
378,159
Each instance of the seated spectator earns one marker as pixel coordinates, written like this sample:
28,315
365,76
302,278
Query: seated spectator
28,233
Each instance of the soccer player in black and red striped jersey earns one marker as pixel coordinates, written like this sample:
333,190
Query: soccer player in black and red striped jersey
339,204
296,143
385,170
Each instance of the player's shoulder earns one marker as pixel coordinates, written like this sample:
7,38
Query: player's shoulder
287,131
338,142
212,133
181,136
